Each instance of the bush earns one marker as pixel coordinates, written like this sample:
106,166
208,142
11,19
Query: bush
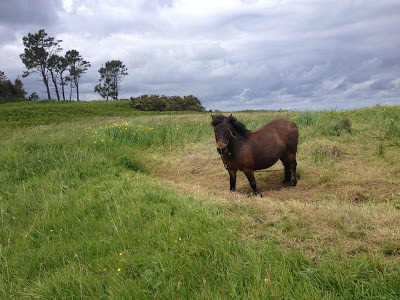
33,97
10,92
166,103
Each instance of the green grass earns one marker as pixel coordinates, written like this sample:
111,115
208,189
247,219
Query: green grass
31,113
82,215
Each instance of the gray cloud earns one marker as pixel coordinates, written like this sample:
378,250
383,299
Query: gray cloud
382,84
230,54
19,13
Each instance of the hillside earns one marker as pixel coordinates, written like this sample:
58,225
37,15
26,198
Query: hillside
98,200
29,113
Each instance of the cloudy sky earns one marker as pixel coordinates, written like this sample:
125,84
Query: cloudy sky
231,54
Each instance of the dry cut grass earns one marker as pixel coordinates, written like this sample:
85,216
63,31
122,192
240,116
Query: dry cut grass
345,198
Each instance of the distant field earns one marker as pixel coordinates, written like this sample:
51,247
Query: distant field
28,113
100,201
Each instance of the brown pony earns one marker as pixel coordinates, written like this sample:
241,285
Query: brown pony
247,151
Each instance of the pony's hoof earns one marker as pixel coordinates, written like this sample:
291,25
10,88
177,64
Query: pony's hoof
290,184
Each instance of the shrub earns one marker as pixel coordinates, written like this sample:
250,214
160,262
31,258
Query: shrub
33,97
166,103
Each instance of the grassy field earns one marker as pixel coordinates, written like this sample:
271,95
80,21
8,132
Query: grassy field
99,201
29,113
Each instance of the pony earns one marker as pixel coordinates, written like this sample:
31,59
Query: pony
247,151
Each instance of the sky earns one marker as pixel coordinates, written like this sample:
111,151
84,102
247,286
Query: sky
231,54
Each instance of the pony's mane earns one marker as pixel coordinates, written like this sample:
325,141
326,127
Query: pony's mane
237,126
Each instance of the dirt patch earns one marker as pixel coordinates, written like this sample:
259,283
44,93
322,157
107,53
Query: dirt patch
358,198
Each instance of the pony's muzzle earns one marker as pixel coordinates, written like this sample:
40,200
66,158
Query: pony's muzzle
221,145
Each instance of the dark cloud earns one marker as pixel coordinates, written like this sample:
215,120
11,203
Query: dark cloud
382,84
19,13
231,54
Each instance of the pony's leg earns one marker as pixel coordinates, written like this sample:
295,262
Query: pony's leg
286,164
287,174
293,178
289,162
232,179
252,181
292,172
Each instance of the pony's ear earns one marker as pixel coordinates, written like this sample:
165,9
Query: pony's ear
216,119
228,119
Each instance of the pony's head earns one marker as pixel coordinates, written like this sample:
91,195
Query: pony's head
222,129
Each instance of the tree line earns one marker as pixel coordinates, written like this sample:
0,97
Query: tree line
166,103
62,73
42,57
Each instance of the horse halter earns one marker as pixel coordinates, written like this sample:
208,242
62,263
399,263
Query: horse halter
231,132
222,150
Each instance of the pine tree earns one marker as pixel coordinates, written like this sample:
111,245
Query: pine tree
111,76
38,50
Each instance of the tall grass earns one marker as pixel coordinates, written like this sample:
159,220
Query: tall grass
82,217
174,132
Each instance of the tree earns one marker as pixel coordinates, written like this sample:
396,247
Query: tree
71,86
77,67
38,50
10,92
105,89
18,89
111,76
57,66
191,103
3,77
165,103
52,65
33,97
62,65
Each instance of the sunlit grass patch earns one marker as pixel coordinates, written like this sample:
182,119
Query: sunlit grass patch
124,132
137,135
